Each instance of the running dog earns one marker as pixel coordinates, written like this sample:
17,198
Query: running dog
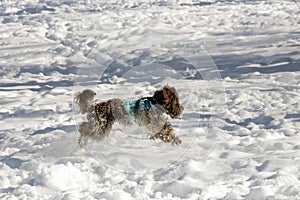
146,112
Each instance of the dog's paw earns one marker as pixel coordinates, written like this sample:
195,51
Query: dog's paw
176,141
82,142
152,138
166,138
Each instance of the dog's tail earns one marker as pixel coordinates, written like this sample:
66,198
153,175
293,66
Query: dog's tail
84,100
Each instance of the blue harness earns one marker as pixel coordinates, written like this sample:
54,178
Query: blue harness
143,104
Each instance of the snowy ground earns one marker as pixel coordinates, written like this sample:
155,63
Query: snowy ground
240,133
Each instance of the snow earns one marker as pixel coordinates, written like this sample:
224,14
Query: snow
240,126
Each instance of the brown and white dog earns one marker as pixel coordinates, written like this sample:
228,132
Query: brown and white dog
147,112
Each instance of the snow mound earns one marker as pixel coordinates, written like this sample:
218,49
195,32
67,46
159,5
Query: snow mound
63,177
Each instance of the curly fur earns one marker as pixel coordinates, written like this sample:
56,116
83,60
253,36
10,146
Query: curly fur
84,99
101,116
168,98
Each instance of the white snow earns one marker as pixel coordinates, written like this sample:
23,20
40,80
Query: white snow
240,127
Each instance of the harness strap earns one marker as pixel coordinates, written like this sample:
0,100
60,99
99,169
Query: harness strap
132,107
145,102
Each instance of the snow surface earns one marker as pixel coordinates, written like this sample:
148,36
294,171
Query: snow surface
240,130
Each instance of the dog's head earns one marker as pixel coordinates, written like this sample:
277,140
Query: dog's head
168,98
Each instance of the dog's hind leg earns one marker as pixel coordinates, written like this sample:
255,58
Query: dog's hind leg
84,129
82,141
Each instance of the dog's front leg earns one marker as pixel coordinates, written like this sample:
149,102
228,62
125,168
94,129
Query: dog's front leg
166,134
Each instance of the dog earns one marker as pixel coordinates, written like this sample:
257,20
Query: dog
145,112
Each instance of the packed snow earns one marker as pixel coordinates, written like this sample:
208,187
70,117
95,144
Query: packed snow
235,64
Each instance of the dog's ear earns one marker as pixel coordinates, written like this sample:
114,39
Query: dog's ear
84,99
168,98
158,96
164,95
